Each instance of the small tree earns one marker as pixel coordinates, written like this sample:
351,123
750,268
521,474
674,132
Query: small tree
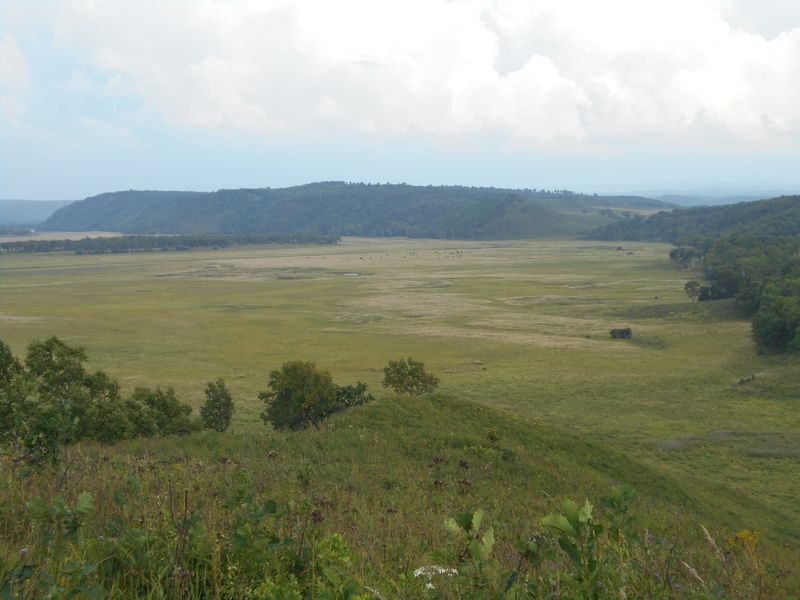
302,395
409,377
217,410
299,395
57,366
692,289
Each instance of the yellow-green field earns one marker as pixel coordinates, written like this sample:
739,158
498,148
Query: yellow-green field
521,326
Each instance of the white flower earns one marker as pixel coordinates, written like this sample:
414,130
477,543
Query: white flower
432,570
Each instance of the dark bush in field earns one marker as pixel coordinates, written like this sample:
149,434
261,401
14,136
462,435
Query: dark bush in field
622,334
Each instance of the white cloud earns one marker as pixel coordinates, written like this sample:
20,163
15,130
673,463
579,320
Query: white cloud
544,73
13,65
14,79
105,131
768,18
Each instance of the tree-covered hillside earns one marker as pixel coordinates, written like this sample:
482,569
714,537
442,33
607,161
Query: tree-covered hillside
337,208
746,251
774,217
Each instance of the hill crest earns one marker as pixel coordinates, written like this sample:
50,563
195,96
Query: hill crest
339,208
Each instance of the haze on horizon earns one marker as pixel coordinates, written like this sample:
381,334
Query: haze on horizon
619,96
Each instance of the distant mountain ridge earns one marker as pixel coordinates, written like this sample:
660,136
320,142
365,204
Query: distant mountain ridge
765,218
28,212
702,200
338,208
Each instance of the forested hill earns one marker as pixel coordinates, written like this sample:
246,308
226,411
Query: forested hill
774,217
336,208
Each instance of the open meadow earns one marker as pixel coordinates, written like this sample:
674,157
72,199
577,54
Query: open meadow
518,333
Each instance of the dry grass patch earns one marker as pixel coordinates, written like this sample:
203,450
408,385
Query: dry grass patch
537,340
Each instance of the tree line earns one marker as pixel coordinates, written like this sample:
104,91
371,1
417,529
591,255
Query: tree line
761,274
49,400
748,251
154,243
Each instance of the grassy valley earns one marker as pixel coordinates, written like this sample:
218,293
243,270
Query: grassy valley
517,333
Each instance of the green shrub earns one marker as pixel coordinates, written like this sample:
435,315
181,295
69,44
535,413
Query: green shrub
302,395
408,376
168,414
52,400
298,396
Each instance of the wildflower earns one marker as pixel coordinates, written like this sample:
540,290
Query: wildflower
747,537
432,570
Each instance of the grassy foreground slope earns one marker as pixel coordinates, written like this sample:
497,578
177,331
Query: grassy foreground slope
349,209
517,332
385,476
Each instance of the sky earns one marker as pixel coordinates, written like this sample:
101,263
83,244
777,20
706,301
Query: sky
611,96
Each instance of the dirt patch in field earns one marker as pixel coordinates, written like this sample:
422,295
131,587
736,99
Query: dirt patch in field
546,324
512,337
551,299
357,318
227,272
417,303
18,318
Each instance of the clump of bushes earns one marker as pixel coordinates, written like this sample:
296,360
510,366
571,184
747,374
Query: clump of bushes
300,395
51,400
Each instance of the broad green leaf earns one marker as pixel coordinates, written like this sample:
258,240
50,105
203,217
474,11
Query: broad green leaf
477,519
488,540
453,527
570,510
558,521
478,551
465,521
572,551
585,512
